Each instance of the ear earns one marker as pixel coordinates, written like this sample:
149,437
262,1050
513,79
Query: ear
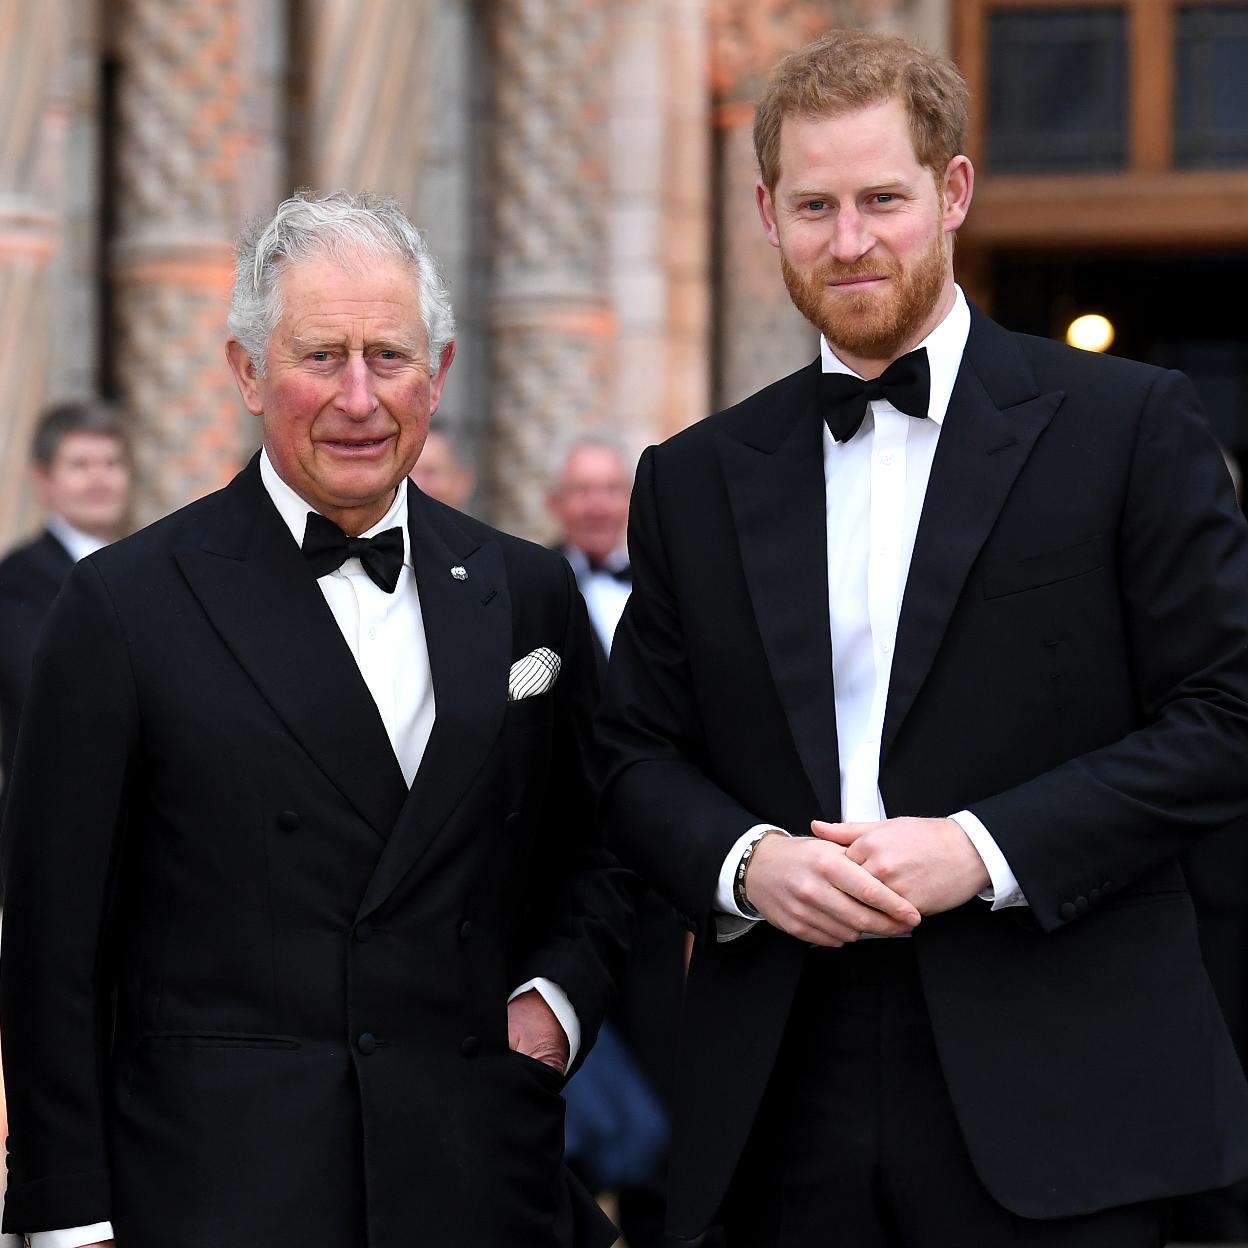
249,381
439,378
956,190
767,212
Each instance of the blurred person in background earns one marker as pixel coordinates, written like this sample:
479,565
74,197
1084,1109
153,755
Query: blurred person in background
588,500
618,1106
444,470
81,472
965,612
302,949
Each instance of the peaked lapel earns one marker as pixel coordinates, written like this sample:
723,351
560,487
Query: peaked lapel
261,597
468,630
995,415
773,465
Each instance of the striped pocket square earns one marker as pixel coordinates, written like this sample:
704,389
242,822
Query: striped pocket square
533,674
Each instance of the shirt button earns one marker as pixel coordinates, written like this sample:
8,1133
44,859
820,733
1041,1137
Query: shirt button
886,645
372,634
887,459
367,1044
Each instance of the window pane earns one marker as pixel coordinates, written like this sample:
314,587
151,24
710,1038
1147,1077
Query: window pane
1057,90
1211,94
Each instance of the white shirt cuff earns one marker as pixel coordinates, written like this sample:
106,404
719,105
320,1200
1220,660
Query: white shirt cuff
560,1007
730,920
1004,890
75,1237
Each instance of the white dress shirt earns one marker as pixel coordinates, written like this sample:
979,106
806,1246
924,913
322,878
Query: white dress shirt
605,595
76,542
875,484
386,636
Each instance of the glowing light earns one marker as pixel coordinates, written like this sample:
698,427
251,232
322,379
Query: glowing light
1092,332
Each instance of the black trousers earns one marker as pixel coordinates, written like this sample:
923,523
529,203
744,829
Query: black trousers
856,1145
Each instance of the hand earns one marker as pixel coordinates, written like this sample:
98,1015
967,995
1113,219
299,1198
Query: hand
812,890
533,1029
930,862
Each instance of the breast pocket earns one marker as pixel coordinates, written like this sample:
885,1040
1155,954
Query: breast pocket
1015,575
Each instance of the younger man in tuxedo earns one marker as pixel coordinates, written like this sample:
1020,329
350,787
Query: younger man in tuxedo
966,614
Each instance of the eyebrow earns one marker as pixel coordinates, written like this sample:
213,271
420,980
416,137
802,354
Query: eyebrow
316,342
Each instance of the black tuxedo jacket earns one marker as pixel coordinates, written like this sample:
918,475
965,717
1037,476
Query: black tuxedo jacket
30,578
254,989
1071,665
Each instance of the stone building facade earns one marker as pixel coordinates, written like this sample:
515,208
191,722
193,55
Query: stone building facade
582,168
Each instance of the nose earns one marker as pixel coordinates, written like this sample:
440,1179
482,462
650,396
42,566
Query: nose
357,398
851,240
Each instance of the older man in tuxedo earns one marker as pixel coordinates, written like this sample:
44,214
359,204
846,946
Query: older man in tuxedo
304,953
971,608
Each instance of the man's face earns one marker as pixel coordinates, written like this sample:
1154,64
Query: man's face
345,407
590,500
441,475
864,230
87,483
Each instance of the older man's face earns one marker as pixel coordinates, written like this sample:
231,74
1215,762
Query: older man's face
345,406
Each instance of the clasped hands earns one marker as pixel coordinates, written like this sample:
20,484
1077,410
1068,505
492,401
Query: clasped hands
852,878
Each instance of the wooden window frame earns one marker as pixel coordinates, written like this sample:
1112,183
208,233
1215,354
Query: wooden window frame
1150,203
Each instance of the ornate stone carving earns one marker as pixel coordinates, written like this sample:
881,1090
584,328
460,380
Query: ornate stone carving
182,149
550,318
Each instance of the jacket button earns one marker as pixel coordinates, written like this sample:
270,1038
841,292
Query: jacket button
1094,896
1067,910
470,1047
465,929
1108,886
512,821
288,821
1081,905
367,1044
364,932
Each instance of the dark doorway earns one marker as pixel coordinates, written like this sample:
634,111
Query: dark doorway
1177,310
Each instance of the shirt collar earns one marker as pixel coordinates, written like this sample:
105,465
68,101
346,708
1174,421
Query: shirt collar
78,544
294,510
945,345
616,561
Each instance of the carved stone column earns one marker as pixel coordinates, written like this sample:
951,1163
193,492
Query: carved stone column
551,320
184,152
760,336
32,125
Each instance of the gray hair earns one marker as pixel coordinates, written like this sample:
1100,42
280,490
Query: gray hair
588,439
340,226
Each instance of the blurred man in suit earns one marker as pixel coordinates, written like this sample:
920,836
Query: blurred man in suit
588,499
444,470
303,953
81,472
965,612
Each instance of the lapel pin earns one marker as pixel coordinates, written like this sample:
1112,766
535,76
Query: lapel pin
459,572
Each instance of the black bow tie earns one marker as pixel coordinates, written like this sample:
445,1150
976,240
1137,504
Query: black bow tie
327,548
624,575
906,383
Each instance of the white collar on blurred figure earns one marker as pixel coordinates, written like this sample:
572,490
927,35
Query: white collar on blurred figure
76,542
